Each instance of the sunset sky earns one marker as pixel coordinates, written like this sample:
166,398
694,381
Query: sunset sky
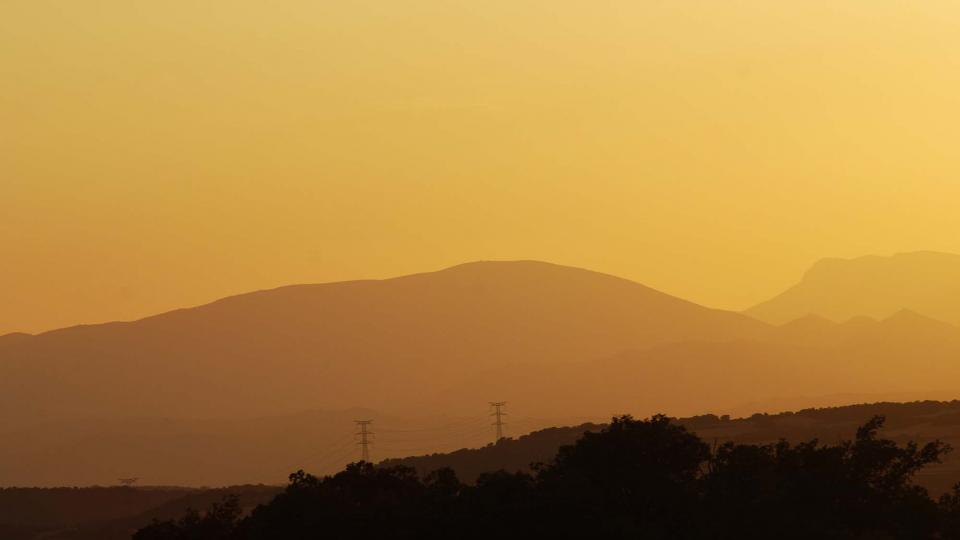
155,155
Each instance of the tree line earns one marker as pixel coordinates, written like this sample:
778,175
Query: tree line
638,479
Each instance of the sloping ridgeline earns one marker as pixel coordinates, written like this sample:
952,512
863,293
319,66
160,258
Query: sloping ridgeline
921,421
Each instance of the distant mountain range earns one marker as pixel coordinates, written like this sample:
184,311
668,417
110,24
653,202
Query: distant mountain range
383,344
839,289
560,344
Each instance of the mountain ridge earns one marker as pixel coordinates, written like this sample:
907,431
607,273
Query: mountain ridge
927,282
269,350
552,341
466,266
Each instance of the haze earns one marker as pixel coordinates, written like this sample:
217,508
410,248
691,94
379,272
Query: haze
158,155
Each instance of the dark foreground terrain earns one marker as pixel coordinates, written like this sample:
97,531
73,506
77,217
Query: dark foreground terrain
633,479
107,513
922,421
760,475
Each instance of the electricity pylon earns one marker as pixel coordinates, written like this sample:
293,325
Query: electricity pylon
365,441
499,414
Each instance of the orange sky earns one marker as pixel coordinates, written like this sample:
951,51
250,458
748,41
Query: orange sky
159,154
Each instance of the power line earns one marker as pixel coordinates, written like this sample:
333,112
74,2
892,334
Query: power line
390,447
331,450
499,414
336,462
463,422
365,441
430,437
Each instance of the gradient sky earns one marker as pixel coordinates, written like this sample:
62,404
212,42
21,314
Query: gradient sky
155,155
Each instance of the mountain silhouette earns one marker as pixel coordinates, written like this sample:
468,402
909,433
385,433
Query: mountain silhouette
167,397
905,326
383,344
839,289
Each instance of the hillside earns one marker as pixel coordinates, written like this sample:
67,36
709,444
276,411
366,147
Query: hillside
245,389
108,513
801,366
365,343
823,364
922,421
839,289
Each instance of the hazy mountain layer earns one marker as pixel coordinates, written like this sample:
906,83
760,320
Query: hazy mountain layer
383,344
840,289
216,394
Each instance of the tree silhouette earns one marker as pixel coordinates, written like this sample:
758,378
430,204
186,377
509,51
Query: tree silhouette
218,523
649,479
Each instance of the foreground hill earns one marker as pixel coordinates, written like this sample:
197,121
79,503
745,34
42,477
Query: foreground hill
632,479
921,421
839,289
364,343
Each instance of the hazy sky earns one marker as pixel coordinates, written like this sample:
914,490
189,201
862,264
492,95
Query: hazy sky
161,154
